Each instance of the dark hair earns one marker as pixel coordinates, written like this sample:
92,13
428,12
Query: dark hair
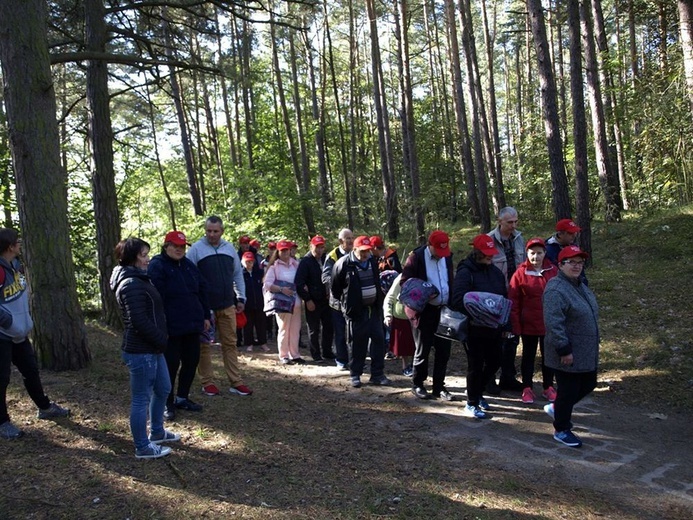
213,219
8,238
126,250
477,255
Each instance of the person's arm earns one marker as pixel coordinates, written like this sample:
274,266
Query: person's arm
137,302
337,286
515,295
238,281
555,309
301,280
156,273
461,285
390,299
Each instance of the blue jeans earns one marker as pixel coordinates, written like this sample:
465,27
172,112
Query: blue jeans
150,385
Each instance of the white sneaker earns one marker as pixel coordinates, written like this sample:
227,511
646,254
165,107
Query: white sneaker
549,410
474,411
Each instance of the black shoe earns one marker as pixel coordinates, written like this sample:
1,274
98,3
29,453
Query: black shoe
329,355
299,361
286,361
169,413
511,385
187,404
493,389
420,392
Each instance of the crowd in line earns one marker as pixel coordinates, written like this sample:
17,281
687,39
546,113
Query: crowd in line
177,305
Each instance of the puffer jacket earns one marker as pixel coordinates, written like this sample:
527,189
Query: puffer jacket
526,290
183,290
571,317
142,311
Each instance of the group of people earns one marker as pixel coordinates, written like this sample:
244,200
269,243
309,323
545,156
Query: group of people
354,304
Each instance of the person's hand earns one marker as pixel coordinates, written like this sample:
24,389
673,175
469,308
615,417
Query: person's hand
240,307
387,321
207,325
310,305
567,359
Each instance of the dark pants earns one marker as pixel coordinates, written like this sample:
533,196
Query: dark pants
368,328
182,352
529,356
507,362
483,359
256,327
572,388
22,355
425,339
320,318
340,344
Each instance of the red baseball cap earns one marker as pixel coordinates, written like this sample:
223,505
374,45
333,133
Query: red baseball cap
484,243
567,225
248,255
535,242
571,252
363,243
271,245
245,239
376,241
318,240
284,244
255,243
440,242
177,238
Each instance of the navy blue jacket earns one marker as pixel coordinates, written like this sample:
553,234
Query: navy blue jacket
309,280
184,292
253,288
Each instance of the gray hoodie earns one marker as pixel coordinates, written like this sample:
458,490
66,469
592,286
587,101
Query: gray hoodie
15,320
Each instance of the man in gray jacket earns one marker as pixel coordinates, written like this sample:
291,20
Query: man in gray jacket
15,347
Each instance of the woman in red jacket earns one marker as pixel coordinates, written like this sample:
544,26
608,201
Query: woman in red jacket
527,318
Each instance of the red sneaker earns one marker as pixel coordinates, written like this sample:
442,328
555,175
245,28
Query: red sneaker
549,394
240,390
527,396
211,389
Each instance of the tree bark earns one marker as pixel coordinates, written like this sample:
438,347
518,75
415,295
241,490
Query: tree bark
59,335
686,31
106,213
559,180
579,126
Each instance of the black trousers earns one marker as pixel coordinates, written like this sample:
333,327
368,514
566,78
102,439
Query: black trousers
317,320
22,356
257,324
182,352
425,339
572,388
529,356
483,360
507,362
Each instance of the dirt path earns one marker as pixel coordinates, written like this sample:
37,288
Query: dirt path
638,457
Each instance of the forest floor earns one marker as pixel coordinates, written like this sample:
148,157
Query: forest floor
307,445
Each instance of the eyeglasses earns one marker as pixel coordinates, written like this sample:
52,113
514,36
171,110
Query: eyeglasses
573,262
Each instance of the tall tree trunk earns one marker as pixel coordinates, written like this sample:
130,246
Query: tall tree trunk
466,157
559,180
611,111
225,93
59,335
338,109
663,37
384,140
493,121
686,31
247,92
293,152
106,214
607,179
579,126
408,123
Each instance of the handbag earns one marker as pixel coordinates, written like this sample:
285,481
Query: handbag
452,324
278,303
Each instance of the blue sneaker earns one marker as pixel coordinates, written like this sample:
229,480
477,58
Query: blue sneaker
483,404
474,411
167,436
152,451
549,410
568,438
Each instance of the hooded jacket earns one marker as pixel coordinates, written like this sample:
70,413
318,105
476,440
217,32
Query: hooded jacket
183,290
15,320
142,311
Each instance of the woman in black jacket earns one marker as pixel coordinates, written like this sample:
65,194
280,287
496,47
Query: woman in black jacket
483,346
144,341
183,291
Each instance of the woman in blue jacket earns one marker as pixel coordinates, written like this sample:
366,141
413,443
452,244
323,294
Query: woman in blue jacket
144,341
183,291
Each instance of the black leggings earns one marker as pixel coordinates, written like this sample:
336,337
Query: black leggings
483,361
184,352
529,355
23,357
